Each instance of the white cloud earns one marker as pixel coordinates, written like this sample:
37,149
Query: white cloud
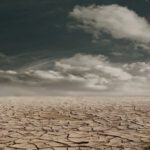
116,20
48,75
82,75
81,64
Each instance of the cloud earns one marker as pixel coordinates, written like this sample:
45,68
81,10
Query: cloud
80,74
118,21
80,64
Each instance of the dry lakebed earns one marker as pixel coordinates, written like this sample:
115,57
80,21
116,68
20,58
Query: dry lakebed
75,123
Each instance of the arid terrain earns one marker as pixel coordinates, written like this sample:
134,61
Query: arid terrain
93,123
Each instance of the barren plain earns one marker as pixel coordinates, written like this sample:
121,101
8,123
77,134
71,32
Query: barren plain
75,123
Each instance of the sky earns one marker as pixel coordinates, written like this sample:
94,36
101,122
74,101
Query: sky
74,47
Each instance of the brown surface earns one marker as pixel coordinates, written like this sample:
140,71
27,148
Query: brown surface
75,123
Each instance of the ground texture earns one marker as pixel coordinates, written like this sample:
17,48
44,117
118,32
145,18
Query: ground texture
75,123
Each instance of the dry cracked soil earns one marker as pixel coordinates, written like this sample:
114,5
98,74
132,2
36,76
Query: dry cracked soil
93,123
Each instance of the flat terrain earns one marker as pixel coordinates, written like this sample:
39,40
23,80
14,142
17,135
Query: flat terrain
94,123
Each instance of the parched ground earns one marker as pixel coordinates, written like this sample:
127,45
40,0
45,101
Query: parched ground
94,123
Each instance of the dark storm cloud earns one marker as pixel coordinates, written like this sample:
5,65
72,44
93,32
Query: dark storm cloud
30,25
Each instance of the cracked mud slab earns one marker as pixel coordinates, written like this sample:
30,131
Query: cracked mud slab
95,123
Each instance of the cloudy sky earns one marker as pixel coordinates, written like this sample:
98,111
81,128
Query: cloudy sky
74,47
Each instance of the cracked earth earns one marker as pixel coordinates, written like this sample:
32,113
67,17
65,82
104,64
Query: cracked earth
116,123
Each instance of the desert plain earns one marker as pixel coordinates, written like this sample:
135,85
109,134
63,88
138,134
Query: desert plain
75,123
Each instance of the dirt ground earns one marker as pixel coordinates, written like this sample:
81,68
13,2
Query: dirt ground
79,123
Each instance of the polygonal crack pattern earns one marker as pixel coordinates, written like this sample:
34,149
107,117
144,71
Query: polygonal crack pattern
80,126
